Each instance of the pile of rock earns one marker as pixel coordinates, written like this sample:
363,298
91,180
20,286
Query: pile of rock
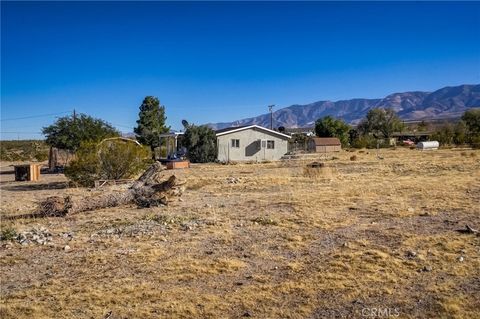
39,236
233,180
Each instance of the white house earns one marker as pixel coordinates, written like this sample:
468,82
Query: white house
250,143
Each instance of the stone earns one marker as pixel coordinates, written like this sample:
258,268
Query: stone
411,254
67,248
427,268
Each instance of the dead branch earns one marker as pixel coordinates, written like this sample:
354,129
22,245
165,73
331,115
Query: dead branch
146,191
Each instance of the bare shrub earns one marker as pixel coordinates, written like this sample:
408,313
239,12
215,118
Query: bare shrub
353,157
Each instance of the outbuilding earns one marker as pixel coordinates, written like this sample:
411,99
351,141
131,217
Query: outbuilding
324,144
428,145
250,143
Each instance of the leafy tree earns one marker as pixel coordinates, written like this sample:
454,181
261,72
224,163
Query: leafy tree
460,133
69,132
444,135
472,121
151,122
381,122
331,127
200,142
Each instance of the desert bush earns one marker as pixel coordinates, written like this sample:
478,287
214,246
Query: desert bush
109,160
26,150
353,157
463,153
264,221
8,233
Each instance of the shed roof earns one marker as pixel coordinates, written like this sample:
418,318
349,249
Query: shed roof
326,141
229,130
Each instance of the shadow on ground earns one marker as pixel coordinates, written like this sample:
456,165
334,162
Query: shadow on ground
36,187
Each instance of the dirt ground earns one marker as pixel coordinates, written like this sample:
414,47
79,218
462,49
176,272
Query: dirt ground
370,238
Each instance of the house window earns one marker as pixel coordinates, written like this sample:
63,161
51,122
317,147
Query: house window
270,145
235,143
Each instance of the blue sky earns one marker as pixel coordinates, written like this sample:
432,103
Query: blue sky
221,61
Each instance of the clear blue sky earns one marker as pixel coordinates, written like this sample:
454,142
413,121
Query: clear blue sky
211,62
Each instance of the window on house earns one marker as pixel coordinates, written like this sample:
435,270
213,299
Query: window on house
235,143
270,145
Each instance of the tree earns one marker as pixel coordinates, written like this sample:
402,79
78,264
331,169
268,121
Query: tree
151,123
200,142
70,131
331,127
472,121
382,122
460,133
444,135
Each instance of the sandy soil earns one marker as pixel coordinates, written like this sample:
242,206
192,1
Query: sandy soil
370,238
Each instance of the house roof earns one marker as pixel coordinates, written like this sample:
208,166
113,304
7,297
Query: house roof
326,141
229,130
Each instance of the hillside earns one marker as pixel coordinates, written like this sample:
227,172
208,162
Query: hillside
448,102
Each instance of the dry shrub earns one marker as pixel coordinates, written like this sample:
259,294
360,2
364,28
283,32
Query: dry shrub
472,154
317,171
463,153
112,160
353,157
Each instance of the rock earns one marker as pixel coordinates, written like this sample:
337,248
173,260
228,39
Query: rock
411,254
67,248
427,268
247,314
411,209
460,259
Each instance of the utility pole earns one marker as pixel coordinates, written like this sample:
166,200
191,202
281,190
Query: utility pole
270,107
74,116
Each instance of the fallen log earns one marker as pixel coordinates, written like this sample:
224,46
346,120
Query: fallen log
146,191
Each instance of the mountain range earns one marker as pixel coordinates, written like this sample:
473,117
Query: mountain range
445,103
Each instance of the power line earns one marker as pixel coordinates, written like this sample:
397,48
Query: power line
34,116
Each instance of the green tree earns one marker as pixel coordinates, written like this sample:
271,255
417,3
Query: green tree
151,123
201,143
381,122
70,131
331,127
444,134
460,133
472,121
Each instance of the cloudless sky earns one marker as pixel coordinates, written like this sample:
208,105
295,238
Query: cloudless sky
222,61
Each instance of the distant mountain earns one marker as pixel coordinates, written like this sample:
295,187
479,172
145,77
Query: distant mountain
448,102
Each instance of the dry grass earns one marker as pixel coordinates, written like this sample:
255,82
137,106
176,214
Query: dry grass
283,241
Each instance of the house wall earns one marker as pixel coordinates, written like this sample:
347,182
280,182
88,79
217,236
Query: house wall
248,150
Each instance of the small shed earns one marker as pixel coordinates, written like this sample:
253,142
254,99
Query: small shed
27,172
429,145
324,144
